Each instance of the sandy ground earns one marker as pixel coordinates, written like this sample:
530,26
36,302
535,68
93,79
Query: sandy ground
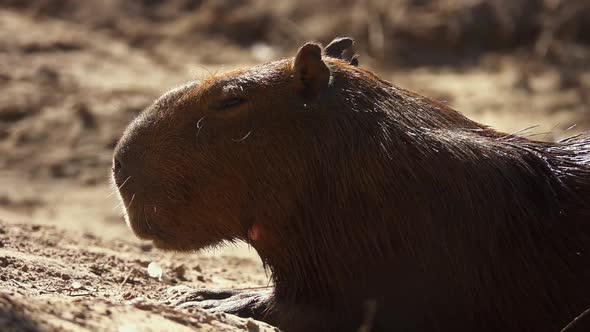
68,89
53,280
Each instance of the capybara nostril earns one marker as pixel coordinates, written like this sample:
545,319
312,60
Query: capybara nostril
129,154
119,172
116,165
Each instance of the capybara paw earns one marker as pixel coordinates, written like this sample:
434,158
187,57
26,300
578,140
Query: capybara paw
181,297
240,303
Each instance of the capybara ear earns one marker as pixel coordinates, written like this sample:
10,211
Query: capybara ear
338,46
311,72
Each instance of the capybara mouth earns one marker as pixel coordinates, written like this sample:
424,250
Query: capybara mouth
140,219
134,214
132,209
134,220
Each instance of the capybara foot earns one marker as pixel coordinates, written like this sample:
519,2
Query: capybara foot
240,303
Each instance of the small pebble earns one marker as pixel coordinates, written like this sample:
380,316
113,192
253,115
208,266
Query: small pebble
154,271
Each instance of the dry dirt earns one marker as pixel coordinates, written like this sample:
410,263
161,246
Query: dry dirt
55,280
73,74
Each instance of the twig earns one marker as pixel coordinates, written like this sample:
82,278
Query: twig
126,278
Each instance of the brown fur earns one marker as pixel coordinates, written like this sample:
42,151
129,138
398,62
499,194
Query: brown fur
364,192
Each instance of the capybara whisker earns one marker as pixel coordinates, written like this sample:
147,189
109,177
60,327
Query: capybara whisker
576,322
124,182
118,188
243,138
147,222
131,203
199,127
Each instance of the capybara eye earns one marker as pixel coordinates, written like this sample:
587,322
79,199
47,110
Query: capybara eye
231,102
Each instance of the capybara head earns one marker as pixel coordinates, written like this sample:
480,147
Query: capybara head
207,156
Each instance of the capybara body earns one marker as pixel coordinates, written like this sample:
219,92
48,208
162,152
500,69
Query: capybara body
371,205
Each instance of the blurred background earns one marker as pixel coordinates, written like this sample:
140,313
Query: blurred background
74,73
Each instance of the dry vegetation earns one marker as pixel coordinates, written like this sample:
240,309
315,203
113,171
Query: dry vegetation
74,73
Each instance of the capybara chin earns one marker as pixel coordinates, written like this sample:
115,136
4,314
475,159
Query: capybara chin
371,205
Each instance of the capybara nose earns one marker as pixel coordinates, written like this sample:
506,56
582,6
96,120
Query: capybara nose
126,164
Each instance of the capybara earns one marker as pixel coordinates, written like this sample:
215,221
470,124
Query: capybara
372,207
